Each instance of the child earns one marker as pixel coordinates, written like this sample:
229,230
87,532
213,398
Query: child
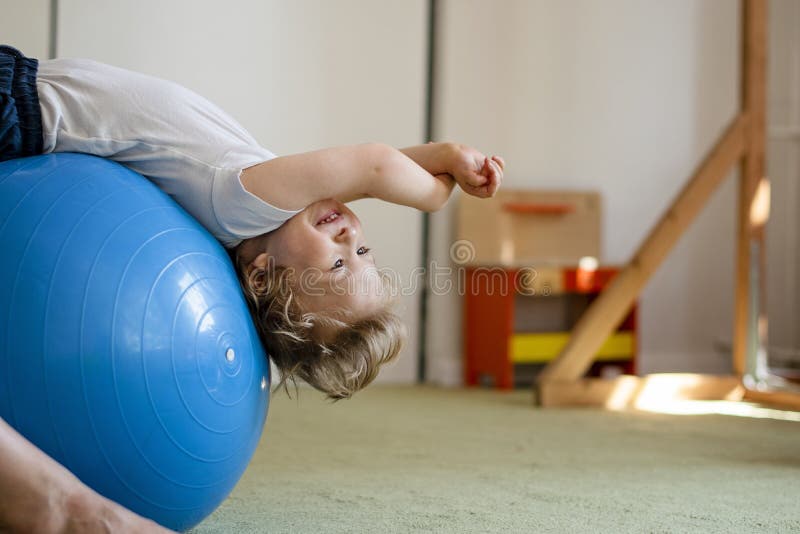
318,302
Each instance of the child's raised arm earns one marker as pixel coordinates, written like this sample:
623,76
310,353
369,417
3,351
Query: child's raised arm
421,177
475,173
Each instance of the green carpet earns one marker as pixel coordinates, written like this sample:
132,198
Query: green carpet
434,460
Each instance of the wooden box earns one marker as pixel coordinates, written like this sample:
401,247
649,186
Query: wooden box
519,227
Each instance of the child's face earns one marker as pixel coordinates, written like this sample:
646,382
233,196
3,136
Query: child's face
332,263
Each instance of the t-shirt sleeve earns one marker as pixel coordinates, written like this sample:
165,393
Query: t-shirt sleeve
193,150
240,213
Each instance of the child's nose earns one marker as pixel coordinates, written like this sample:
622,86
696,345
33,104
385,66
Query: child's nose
345,234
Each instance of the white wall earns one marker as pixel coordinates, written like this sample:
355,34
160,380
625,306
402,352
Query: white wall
298,75
621,96
25,24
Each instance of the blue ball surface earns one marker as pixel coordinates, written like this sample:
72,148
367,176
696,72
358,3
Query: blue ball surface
127,352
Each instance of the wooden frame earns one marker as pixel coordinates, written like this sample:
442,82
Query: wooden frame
561,382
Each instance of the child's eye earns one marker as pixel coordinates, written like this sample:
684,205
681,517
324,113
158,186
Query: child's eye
340,262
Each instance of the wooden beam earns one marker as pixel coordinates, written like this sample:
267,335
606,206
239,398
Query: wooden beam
783,399
606,313
749,320
632,392
612,394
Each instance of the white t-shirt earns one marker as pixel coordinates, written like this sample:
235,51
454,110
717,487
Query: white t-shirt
186,145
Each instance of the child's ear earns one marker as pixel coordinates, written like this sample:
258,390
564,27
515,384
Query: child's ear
257,267
259,262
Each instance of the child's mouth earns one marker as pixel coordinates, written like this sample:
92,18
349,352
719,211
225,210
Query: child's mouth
329,217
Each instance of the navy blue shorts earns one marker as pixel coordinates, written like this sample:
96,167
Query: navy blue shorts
20,115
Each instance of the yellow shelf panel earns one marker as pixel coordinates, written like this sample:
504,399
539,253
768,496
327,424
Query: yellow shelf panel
543,347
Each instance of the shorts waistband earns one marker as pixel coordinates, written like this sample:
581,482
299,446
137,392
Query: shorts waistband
20,114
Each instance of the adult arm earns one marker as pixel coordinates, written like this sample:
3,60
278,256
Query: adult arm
40,495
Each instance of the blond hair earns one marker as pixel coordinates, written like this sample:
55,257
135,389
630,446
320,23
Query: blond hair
338,365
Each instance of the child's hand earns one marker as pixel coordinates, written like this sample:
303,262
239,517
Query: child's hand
477,174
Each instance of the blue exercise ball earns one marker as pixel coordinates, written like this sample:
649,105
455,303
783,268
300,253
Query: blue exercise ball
127,352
